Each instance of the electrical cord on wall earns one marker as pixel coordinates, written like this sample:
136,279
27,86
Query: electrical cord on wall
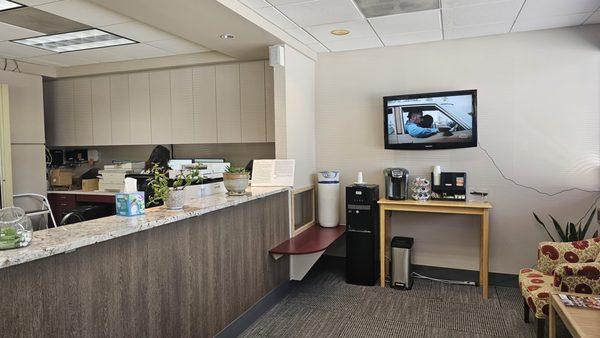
530,187
16,67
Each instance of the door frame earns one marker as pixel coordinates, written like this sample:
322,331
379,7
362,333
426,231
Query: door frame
6,193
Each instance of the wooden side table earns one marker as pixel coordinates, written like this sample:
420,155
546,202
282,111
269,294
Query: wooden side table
579,321
481,209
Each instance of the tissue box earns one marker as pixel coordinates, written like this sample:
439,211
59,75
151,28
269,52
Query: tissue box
130,203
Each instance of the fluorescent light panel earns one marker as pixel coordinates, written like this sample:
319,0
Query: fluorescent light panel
5,4
72,41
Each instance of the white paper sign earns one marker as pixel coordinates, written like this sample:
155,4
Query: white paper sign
273,173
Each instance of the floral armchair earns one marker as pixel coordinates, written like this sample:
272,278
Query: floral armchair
564,267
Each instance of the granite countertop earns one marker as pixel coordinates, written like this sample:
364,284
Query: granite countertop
70,237
81,192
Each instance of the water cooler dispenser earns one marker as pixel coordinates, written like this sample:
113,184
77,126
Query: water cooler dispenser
328,198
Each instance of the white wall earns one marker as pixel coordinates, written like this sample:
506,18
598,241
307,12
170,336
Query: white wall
294,92
538,116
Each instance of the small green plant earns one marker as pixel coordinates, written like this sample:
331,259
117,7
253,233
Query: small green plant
572,231
159,183
236,170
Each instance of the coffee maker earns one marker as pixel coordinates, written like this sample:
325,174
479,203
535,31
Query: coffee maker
396,183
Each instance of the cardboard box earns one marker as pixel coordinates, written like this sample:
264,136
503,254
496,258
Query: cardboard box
90,184
130,204
61,177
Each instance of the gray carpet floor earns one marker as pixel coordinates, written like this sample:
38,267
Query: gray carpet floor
323,305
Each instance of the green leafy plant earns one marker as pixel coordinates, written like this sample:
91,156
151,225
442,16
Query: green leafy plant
236,170
159,183
571,231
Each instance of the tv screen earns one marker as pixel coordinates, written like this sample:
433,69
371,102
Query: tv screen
431,120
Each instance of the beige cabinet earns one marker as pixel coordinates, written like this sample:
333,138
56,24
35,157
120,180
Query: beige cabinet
229,118
82,111
139,108
182,106
252,101
26,107
160,107
119,109
205,104
101,114
230,103
63,126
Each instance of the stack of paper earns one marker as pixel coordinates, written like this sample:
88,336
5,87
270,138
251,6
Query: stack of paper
112,178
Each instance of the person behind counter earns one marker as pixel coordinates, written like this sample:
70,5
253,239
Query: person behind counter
161,156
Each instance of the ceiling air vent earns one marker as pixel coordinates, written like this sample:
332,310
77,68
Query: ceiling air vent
373,8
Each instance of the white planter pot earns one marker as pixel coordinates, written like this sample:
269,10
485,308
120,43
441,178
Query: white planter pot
175,200
235,183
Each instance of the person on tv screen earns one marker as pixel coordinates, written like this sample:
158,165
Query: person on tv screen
426,121
413,127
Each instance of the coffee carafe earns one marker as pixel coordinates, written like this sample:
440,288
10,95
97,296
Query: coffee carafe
396,183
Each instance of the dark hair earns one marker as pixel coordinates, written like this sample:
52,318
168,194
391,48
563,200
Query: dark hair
411,113
161,156
426,121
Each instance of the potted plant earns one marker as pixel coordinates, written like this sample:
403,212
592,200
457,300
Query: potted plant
173,196
571,231
236,180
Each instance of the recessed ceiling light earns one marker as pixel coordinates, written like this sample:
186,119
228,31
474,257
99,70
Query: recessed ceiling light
5,4
340,32
226,36
73,41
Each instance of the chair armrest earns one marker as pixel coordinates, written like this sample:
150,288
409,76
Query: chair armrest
578,277
551,254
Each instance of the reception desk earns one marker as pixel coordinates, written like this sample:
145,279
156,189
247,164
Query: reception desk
167,273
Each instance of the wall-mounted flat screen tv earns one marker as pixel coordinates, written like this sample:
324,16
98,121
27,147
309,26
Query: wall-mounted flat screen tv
431,120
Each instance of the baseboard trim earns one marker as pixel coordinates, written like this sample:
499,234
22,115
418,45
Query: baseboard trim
495,278
241,323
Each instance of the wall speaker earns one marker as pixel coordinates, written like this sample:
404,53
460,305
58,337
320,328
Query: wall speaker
276,56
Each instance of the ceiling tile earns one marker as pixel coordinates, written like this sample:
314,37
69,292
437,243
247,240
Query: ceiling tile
138,31
40,21
352,44
407,22
374,8
16,51
319,12
275,16
61,60
178,46
34,2
460,3
301,35
123,53
478,30
318,47
283,2
482,14
413,37
255,3
549,22
543,8
84,12
358,29
10,32
595,18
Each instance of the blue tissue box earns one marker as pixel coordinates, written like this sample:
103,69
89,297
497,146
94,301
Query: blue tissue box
130,204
